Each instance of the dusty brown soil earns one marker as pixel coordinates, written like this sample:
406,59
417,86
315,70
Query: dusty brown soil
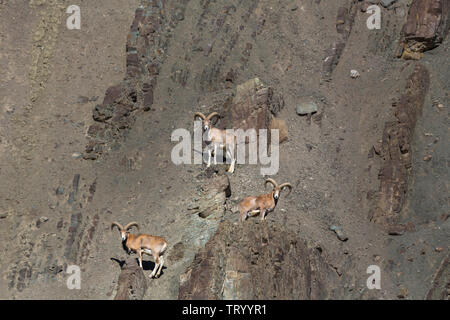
51,218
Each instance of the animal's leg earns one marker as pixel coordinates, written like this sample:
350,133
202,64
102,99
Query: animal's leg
140,258
209,157
161,263
230,152
215,154
263,214
160,266
231,168
156,265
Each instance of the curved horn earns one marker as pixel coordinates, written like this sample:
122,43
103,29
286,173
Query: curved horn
214,114
116,224
288,185
270,180
128,226
199,114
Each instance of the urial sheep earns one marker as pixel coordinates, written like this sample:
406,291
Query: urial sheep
143,243
262,204
217,138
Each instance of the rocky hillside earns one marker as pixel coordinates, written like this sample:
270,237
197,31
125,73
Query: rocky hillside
85,138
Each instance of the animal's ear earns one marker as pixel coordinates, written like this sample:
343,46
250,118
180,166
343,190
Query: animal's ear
212,116
215,120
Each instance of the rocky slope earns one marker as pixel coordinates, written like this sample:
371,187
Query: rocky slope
85,135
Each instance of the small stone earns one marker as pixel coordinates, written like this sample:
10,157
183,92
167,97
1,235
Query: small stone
179,15
43,219
3,215
193,206
438,249
208,49
76,155
354,74
306,108
396,230
82,100
387,3
59,191
341,236
427,158
10,109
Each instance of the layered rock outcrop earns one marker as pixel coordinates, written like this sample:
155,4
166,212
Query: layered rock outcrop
259,261
132,282
427,25
396,147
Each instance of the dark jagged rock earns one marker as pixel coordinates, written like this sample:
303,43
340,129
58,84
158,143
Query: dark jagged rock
215,190
258,261
250,106
132,283
72,246
146,48
427,25
396,147
440,287
253,105
344,23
